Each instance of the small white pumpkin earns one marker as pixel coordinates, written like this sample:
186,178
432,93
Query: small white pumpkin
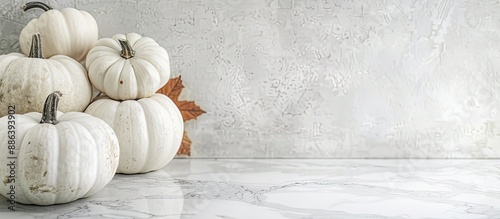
128,67
60,158
68,32
25,81
149,130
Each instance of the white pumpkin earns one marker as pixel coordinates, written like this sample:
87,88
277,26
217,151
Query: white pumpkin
68,31
57,158
128,67
25,81
149,130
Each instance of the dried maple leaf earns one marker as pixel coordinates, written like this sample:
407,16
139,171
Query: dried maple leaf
189,109
173,88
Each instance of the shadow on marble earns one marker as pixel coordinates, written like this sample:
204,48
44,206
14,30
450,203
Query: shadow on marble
149,195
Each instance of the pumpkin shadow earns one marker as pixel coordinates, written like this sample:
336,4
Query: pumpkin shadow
153,194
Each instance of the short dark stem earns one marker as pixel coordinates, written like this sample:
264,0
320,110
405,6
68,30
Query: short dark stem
40,5
36,47
127,51
49,114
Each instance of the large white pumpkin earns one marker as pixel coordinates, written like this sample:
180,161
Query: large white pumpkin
68,31
149,130
57,158
25,81
128,67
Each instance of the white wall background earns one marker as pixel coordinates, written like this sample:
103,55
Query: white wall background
329,78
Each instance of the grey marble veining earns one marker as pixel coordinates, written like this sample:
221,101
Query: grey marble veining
287,188
321,79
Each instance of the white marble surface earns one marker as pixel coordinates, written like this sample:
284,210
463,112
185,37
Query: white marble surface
282,188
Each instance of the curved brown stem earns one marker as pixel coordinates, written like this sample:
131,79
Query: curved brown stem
127,51
41,5
49,113
36,47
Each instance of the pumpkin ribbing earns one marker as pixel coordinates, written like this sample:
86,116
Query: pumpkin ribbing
136,68
49,114
41,5
60,163
74,42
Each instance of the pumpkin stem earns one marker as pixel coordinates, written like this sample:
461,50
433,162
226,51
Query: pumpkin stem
127,51
36,47
41,5
49,113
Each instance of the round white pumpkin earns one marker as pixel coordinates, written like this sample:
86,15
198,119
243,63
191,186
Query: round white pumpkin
25,81
128,67
68,31
59,159
149,130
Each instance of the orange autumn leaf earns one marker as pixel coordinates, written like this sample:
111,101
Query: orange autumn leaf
189,109
173,88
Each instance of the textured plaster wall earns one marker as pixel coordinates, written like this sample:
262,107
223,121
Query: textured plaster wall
305,78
